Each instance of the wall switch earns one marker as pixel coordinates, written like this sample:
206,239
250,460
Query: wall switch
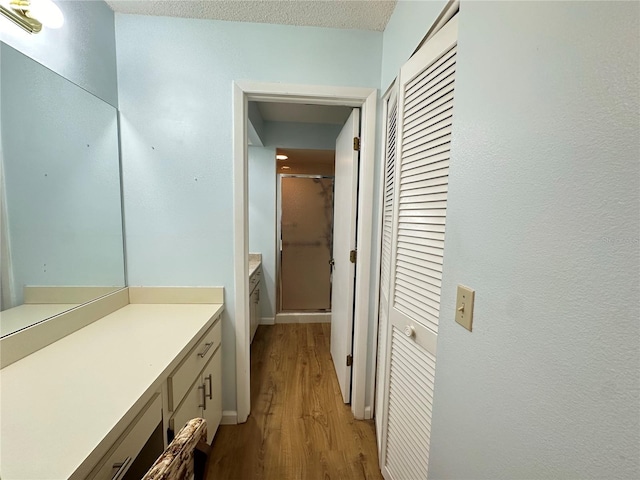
464,306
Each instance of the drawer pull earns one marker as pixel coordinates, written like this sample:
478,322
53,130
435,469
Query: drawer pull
207,346
122,468
204,397
210,380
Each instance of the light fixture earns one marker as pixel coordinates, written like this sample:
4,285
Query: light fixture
285,167
32,14
281,157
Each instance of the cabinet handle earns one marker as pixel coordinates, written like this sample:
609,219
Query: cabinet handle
122,468
203,405
207,346
210,380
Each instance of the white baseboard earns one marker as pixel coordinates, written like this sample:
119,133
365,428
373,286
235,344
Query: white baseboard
303,318
267,321
367,413
229,417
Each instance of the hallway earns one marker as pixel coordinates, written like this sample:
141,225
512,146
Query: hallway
299,428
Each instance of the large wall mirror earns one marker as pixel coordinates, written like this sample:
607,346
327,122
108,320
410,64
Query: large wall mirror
61,236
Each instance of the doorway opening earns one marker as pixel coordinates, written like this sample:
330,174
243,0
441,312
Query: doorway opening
365,100
305,182
316,221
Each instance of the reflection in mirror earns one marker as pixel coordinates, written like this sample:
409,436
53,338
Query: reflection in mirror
60,204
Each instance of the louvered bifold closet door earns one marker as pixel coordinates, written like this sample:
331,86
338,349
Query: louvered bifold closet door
425,114
385,256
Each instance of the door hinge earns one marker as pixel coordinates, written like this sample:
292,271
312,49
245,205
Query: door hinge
349,360
356,144
353,256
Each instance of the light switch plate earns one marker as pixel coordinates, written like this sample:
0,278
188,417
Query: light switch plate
464,306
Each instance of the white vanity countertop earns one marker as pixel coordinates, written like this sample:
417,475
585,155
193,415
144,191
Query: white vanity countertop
22,316
255,259
62,407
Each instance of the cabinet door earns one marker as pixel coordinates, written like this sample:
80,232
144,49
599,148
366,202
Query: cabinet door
212,380
204,399
191,406
254,310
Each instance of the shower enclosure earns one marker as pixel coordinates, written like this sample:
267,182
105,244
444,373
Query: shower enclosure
305,234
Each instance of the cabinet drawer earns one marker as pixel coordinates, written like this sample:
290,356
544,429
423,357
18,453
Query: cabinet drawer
255,279
120,457
181,379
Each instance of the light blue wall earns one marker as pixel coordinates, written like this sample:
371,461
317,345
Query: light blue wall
61,167
312,136
409,23
543,221
262,221
83,50
175,83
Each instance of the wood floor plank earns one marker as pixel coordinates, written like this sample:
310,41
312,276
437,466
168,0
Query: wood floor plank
299,427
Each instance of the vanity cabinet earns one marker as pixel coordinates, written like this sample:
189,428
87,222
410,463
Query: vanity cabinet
148,352
254,300
121,455
194,389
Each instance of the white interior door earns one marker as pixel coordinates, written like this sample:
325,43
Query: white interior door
425,115
344,240
385,256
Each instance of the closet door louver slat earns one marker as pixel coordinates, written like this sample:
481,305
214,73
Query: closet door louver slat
409,410
421,184
423,188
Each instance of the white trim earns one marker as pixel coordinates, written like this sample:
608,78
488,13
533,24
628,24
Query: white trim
449,10
267,321
382,157
364,98
229,417
363,267
368,412
302,317
241,253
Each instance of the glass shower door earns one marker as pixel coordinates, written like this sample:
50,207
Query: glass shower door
306,235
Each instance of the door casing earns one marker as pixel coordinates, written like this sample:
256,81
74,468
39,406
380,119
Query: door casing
365,99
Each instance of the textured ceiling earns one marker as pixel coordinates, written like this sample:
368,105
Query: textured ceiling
353,14
301,113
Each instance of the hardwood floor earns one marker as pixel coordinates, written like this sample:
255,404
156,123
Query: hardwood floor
299,428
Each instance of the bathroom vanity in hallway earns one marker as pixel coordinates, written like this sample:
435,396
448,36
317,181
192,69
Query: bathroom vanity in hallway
85,405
